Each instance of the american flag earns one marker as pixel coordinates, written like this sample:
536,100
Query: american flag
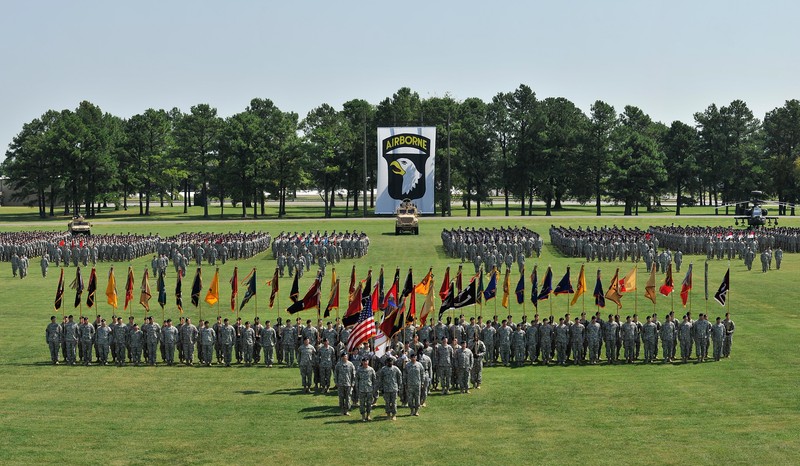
364,328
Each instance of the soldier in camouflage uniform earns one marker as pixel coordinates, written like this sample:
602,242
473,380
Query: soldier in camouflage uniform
390,382
366,381
188,335
306,362
169,337
730,327
103,341
667,338
87,340
685,338
444,364
594,335
120,336
327,355
136,340
413,377
464,360
52,335
478,349
649,337
226,338
718,336
269,339
344,376
248,338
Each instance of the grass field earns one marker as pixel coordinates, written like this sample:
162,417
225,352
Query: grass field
743,410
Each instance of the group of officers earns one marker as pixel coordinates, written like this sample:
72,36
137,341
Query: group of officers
299,251
492,247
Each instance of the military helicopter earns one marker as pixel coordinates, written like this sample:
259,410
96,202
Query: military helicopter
757,215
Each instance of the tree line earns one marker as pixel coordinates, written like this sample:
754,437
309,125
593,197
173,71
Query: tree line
518,145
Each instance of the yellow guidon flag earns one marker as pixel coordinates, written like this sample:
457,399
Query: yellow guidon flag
581,287
111,289
212,297
628,282
506,287
422,287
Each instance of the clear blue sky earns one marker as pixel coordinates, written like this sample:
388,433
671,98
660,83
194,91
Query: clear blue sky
671,58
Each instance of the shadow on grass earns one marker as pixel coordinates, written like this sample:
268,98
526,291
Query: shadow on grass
248,392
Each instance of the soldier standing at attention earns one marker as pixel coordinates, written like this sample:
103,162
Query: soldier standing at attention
668,338
344,376
414,375
169,336
87,340
103,340
444,364
248,343
120,336
207,338
217,346
71,334
729,329
390,382
189,335
685,338
594,336
152,337
52,335
326,357
478,349
629,339
366,380
226,337
288,336
136,339
465,361
268,341
718,336
649,337
306,362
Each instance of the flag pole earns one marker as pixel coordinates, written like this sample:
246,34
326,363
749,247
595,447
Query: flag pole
256,296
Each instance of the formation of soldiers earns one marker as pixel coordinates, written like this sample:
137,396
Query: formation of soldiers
724,243
492,247
64,250
184,248
84,250
28,243
299,251
605,243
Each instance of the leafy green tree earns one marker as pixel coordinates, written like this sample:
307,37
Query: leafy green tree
148,139
637,169
782,148
597,156
197,139
476,162
562,140
328,141
680,147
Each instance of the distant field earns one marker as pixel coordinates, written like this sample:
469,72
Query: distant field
744,410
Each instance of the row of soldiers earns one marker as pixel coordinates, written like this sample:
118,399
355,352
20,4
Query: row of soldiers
101,248
210,247
28,243
605,243
500,243
579,338
299,251
723,242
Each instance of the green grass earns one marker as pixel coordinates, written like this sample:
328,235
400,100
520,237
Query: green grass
741,410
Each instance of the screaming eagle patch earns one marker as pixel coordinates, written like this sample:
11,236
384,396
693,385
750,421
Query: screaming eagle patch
406,155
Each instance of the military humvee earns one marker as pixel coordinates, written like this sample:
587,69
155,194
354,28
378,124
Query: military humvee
79,226
406,218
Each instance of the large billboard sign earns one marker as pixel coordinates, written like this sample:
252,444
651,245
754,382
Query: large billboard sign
406,162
